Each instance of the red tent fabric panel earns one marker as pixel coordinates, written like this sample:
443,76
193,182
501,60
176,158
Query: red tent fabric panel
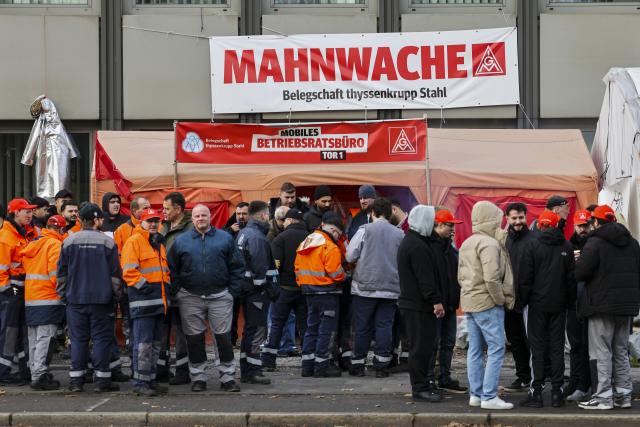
534,208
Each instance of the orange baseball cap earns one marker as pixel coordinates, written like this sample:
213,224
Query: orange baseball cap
605,213
549,218
581,217
445,216
16,205
149,214
57,220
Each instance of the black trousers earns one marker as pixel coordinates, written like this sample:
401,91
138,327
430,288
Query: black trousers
579,367
517,337
421,329
545,332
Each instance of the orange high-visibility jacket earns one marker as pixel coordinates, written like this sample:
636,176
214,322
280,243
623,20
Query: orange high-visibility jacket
40,260
146,272
11,243
123,233
76,227
318,264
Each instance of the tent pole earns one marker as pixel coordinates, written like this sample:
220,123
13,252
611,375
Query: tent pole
175,156
426,151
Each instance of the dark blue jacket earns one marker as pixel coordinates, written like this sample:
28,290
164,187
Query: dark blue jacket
89,269
357,221
261,273
206,264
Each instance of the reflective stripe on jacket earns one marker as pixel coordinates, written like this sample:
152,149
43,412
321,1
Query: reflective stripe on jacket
318,264
40,260
123,233
146,273
11,244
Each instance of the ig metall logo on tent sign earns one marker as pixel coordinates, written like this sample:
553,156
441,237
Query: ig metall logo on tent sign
403,140
488,59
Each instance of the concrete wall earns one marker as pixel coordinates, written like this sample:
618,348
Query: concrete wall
576,51
167,76
53,54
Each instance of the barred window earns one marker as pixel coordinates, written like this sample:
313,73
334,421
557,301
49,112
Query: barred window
181,2
318,2
591,1
454,2
46,2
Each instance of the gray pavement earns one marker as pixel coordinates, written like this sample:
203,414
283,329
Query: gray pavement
289,394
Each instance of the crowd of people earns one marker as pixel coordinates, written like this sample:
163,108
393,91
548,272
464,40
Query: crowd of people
300,272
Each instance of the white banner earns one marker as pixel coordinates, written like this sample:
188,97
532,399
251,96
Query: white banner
447,69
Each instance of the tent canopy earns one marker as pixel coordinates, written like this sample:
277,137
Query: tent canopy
616,146
489,163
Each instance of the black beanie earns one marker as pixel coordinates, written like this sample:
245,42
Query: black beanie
332,218
321,191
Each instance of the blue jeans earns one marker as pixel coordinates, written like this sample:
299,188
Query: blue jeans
445,341
485,328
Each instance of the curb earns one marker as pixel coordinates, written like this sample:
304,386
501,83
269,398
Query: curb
273,419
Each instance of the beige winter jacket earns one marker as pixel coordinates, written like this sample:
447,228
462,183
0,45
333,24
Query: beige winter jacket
484,270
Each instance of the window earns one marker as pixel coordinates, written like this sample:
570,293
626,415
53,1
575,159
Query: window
180,2
454,2
47,2
317,2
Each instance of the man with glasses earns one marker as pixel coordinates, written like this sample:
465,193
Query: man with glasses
320,274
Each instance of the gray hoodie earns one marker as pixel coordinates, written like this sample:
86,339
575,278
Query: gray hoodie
422,219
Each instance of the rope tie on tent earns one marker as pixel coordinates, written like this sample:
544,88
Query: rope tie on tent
526,115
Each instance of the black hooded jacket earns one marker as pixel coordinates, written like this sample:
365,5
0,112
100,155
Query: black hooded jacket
610,266
578,242
313,218
284,247
446,264
111,223
547,282
517,242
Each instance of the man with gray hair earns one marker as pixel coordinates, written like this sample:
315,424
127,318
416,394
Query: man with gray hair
276,225
206,272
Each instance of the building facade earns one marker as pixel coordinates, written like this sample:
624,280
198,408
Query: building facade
141,64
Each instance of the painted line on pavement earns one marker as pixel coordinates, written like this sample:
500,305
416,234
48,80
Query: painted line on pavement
100,403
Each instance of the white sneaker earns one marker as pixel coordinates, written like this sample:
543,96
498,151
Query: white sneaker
595,404
474,401
496,403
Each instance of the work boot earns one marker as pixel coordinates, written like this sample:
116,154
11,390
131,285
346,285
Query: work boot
143,390
45,382
533,400
331,371
163,377
106,388
307,372
76,387
557,400
180,379
517,385
119,377
427,396
256,379
16,379
230,386
452,386
345,363
199,386
382,373
160,389
357,371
